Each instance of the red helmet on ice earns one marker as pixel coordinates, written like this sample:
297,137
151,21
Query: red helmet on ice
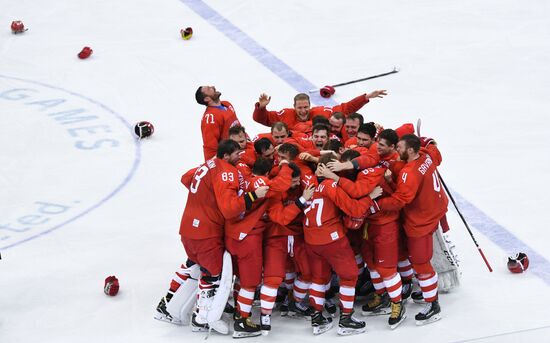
144,129
17,26
327,91
518,263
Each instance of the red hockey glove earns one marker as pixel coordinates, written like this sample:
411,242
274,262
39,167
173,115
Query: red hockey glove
425,141
353,223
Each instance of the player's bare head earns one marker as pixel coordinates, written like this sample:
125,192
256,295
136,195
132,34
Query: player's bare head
279,132
288,151
300,97
353,121
325,158
349,155
365,135
337,121
264,148
320,120
319,135
262,166
387,141
334,145
227,148
206,95
411,141
408,146
238,134
302,106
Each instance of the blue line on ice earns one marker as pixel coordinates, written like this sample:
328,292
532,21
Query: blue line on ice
128,177
476,218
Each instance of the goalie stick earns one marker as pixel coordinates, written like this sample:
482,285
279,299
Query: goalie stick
395,70
418,125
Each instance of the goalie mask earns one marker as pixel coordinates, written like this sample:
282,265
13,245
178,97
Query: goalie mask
518,263
144,129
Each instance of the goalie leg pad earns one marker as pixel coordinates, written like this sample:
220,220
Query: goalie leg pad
445,261
182,303
223,290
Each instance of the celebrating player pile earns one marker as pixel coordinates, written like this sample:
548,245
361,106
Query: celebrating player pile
322,204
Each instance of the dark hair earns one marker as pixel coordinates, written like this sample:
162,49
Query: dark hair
236,129
320,120
349,155
289,148
368,129
199,96
295,169
262,144
262,166
228,147
319,127
354,116
389,135
334,145
411,141
326,158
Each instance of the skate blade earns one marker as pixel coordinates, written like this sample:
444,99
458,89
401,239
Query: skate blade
237,334
198,329
419,301
265,332
163,318
348,331
297,315
219,326
432,319
398,323
380,312
317,330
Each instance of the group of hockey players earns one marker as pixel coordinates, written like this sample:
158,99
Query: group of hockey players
323,208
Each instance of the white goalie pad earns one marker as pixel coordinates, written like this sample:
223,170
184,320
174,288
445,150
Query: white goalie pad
445,261
183,301
223,291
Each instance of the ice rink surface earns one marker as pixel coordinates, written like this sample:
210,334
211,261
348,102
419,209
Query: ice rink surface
81,199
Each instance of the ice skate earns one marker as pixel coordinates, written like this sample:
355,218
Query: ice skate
397,314
319,323
244,327
196,327
162,313
348,325
429,314
300,310
378,305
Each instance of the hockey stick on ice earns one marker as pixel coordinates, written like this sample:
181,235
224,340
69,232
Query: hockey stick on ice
418,124
395,70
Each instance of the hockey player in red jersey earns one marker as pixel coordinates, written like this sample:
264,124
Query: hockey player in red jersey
381,246
423,202
303,111
210,202
284,239
218,117
329,249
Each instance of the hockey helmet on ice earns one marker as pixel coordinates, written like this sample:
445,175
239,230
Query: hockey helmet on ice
518,263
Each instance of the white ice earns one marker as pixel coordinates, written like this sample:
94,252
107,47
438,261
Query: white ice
81,199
